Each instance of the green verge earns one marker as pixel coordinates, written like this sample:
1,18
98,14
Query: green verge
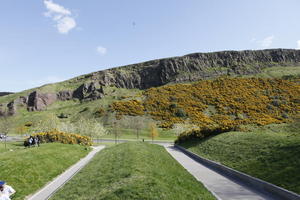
270,153
27,170
133,170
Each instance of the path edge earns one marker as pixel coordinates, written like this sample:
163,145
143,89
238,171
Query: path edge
252,182
94,151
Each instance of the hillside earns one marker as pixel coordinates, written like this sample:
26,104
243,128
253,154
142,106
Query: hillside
270,153
5,93
129,93
223,102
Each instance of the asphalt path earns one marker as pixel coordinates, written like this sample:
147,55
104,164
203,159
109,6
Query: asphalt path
221,186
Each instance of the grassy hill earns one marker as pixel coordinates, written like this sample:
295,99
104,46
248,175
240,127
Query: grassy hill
251,94
270,153
27,170
133,171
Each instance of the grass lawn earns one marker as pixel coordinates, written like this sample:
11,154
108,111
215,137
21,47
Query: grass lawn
126,133
133,170
27,170
271,153
10,146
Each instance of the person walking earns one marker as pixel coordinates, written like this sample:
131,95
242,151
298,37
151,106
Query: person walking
6,191
36,141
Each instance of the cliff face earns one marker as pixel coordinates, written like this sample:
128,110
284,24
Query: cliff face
197,66
192,67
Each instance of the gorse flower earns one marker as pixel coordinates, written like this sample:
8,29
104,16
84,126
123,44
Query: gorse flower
222,103
65,138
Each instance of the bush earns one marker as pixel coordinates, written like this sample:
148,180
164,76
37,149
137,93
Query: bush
28,124
85,109
236,101
180,113
99,112
201,133
65,138
63,115
131,107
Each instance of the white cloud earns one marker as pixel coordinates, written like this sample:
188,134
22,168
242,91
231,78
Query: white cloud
101,50
61,16
55,8
65,24
298,44
267,42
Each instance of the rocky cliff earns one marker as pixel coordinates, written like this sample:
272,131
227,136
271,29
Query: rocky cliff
192,67
197,66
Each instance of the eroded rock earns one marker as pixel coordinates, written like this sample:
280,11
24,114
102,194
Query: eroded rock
194,67
89,91
65,95
39,101
11,108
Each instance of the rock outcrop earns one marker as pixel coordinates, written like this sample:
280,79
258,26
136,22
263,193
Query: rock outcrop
65,95
9,109
193,67
39,101
12,109
89,91
2,110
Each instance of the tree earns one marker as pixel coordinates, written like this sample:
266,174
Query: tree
67,127
47,123
116,129
182,127
21,130
138,126
153,131
87,127
5,126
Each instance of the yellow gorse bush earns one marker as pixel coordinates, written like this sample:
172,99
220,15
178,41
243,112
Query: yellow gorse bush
223,103
131,107
65,138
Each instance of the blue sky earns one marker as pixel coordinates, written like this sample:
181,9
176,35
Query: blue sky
43,41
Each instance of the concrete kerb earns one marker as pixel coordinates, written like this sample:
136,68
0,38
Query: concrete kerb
52,187
254,183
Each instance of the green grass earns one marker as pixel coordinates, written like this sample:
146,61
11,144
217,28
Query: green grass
277,72
133,171
10,146
270,153
27,170
73,108
127,133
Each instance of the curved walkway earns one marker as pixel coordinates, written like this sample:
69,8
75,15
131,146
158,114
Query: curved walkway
47,191
222,187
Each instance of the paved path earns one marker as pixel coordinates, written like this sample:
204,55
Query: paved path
222,187
47,191
110,140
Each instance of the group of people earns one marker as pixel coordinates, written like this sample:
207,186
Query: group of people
32,141
5,191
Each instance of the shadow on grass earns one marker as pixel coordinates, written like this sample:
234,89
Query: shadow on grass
273,159
197,141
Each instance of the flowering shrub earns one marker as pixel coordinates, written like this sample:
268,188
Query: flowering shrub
131,107
201,133
224,102
65,138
